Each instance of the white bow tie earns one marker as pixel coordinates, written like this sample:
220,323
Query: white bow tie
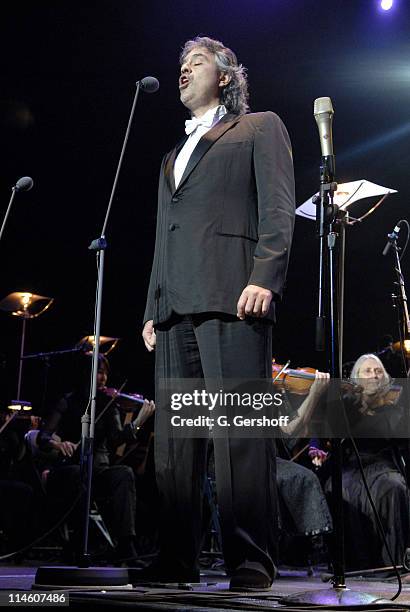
192,124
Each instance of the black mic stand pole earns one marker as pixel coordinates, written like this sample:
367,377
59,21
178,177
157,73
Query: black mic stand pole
84,574
400,301
88,420
403,296
13,194
404,323
331,223
332,266
25,183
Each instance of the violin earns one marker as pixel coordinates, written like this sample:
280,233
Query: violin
388,396
298,381
133,454
128,401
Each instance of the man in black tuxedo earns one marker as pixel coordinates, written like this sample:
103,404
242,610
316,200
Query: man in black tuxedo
224,230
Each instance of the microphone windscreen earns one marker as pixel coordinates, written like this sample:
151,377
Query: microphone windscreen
24,183
322,105
149,84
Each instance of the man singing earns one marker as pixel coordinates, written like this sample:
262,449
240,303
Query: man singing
224,230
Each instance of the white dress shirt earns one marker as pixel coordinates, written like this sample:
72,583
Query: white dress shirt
196,128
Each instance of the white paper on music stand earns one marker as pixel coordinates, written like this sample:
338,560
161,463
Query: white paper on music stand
346,194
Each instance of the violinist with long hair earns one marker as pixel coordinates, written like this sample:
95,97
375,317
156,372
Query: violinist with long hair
377,414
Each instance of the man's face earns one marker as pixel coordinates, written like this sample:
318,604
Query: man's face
200,81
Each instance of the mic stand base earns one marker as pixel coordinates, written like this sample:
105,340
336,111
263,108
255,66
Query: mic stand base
332,596
69,576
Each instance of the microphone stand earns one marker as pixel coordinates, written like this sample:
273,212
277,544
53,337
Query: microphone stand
405,320
331,226
85,575
400,302
13,194
25,183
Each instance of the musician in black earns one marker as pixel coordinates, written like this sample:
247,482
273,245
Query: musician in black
113,485
377,414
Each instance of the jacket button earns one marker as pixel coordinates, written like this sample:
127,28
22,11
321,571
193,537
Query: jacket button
175,200
172,227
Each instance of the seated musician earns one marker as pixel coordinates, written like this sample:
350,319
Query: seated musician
303,507
375,411
112,485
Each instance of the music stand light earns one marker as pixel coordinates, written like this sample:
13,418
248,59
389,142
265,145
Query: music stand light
24,305
107,344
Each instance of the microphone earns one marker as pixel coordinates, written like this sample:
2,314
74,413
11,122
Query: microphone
149,84
25,183
323,112
325,211
391,238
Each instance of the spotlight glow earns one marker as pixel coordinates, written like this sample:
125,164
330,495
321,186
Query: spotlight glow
386,5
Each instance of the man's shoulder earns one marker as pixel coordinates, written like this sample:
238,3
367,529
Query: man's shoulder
260,118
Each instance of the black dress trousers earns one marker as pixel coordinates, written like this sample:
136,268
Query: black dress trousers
215,346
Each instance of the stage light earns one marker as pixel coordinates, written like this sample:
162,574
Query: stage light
386,5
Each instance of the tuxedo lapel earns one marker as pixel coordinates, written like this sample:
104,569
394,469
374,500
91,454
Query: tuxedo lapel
204,144
169,164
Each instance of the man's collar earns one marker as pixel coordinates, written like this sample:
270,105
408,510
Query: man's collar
208,119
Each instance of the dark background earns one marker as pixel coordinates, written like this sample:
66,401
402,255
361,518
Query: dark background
67,84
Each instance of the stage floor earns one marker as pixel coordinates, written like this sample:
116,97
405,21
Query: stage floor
212,594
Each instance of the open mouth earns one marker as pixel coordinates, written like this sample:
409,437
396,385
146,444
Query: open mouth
183,82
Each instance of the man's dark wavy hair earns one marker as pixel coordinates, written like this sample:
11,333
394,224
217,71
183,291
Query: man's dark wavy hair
234,95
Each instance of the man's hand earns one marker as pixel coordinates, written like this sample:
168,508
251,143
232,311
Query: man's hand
67,449
254,301
149,336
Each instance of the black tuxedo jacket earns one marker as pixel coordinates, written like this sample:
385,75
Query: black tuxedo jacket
230,221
